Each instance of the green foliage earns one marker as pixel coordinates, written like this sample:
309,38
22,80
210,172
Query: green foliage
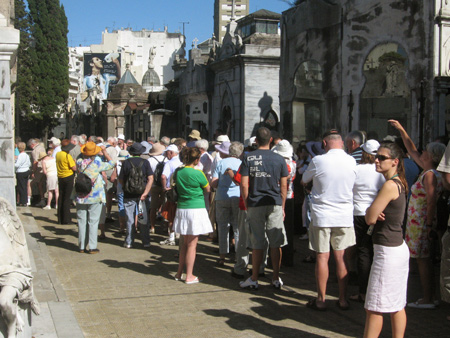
46,69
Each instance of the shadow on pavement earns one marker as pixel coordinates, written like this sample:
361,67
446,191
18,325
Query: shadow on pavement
241,322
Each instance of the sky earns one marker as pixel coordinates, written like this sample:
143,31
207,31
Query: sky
89,18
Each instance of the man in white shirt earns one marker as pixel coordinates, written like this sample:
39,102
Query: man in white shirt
174,162
333,175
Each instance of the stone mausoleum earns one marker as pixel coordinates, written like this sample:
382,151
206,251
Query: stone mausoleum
353,64
235,87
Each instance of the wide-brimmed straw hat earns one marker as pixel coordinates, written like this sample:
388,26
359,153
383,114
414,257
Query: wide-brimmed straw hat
157,149
195,134
42,154
90,149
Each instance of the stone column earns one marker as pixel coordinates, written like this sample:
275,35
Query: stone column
9,42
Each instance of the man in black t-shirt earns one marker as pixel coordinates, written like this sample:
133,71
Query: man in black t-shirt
130,200
263,188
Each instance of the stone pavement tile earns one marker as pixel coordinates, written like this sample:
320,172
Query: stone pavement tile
44,327
131,293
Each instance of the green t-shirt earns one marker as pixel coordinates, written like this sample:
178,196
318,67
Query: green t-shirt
190,184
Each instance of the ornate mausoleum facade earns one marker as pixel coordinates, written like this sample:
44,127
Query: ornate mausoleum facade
353,64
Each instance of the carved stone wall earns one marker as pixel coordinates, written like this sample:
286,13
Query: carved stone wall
9,41
340,37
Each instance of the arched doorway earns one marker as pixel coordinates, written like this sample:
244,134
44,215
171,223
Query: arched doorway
307,106
386,94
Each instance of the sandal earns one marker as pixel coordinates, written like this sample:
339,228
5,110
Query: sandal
312,304
220,262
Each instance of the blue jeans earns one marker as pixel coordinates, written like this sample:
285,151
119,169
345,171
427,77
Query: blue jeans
120,205
131,206
88,216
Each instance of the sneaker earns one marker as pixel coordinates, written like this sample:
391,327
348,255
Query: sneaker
152,230
47,207
277,284
127,246
249,284
167,242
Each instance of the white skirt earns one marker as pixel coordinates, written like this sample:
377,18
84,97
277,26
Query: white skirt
388,279
52,182
192,222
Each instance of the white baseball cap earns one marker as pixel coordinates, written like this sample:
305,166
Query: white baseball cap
121,137
371,147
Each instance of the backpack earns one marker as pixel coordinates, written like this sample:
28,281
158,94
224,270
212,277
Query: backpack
135,182
83,183
158,172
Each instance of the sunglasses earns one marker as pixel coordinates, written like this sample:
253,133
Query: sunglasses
382,158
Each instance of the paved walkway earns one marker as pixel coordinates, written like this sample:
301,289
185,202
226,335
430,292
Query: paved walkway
131,293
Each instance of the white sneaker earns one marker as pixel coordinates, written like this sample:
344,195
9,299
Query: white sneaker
249,284
47,207
167,242
277,284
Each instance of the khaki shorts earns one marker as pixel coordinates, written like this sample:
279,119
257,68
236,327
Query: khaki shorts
340,238
266,221
38,177
157,197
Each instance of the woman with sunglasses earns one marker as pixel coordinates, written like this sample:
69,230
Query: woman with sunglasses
421,213
386,292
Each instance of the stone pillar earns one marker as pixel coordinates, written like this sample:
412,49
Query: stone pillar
9,42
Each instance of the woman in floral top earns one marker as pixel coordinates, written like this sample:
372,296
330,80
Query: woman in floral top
422,211
89,206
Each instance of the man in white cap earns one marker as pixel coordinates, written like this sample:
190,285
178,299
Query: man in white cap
121,142
174,162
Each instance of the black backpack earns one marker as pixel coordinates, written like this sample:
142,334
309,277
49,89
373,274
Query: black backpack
83,183
158,172
135,182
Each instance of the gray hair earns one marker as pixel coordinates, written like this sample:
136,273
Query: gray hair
75,138
112,139
83,138
100,139
32,141
151,139
357,136
202,144
165,141
436,151
236,149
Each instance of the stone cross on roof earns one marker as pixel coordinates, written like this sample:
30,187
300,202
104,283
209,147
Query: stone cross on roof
194,43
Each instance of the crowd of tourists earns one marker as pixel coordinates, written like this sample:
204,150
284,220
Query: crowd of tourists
376,203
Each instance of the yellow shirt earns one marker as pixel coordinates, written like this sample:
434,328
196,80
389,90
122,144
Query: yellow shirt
64,163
